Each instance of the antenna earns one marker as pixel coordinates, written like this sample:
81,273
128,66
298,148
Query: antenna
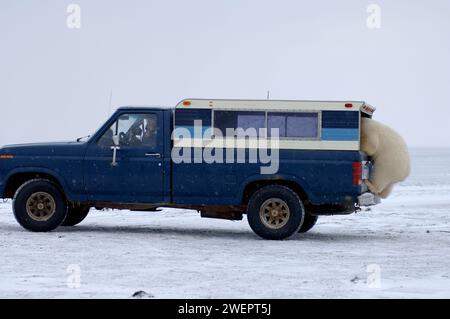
110,99
268,95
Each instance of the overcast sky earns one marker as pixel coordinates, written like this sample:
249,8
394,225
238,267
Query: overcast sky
55,81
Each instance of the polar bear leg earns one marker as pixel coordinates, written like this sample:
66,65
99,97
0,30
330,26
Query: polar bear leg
385,193
369,143
381,178
372,187
379,186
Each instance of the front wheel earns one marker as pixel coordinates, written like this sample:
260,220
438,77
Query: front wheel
275,212
39,205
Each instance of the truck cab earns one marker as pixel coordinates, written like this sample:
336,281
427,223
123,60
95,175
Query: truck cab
283,163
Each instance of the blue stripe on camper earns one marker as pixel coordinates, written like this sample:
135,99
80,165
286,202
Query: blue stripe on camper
340,119
190,128
340,134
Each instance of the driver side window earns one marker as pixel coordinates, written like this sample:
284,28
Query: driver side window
132,130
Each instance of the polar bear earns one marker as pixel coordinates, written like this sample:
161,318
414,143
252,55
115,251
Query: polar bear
390,156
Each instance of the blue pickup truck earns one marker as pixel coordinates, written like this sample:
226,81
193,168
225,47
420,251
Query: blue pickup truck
283,163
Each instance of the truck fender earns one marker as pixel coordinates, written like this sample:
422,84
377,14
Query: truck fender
277,179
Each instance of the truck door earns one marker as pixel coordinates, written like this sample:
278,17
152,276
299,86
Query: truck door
135,174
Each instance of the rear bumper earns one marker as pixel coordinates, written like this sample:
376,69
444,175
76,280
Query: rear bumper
368,199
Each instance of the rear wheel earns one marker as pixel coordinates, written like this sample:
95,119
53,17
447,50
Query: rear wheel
39,205
308,223
275,212
75,215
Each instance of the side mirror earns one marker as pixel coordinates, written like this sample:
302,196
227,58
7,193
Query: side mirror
116,140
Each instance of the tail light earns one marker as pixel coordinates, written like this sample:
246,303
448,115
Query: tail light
357,173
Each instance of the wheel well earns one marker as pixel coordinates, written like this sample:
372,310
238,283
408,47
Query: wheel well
251,188
15,181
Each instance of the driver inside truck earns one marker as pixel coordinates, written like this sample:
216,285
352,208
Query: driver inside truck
149,137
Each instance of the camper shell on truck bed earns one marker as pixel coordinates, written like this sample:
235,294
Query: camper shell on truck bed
143,158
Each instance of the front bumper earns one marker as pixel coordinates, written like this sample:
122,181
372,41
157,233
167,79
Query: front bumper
368,199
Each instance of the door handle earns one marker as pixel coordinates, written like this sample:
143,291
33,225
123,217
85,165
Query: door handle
157,155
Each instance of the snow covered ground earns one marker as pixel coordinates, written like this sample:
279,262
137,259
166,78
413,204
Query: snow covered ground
399,249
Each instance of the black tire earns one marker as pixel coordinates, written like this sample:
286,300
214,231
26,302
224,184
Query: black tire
39,205
261,220
308,223
75,215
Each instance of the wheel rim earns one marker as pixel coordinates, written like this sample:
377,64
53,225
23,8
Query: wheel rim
274,213
41,206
